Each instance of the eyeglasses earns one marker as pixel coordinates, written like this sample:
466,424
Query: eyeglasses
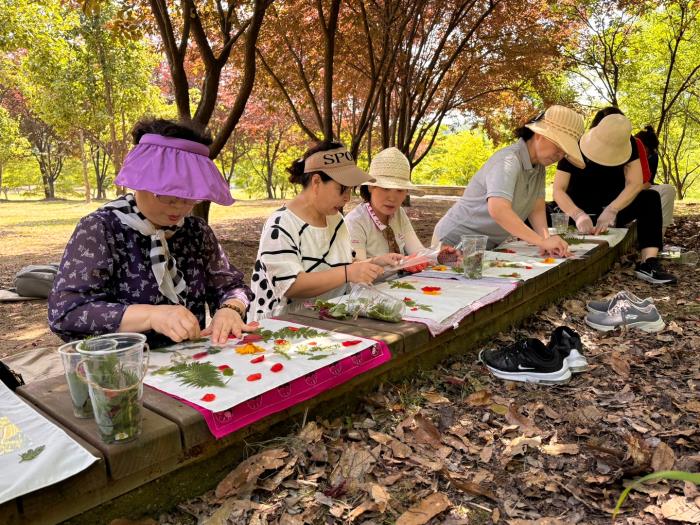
176,201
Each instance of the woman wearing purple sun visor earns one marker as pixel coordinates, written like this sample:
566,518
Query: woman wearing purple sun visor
141,263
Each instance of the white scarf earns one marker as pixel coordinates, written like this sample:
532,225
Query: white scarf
171,282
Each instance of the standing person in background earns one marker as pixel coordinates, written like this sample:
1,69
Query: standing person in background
510,186
610,188
648,145
305,249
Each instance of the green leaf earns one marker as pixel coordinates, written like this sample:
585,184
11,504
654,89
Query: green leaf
198,375
227,372
31,453
214,350
662,474
402,285
318,357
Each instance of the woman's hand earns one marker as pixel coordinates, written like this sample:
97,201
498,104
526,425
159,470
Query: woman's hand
227,322
605,220
584,223
449,255
555,246
363,272
174,321
388,259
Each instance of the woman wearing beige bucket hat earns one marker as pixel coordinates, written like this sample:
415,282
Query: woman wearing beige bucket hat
380,225
305,246
610,187
510,187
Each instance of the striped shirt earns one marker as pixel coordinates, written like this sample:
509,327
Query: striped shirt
289,246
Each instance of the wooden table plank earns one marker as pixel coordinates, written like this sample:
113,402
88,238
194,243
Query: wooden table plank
159,443
9,513
193,428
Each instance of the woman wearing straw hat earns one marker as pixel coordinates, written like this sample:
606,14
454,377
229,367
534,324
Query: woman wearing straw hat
305,249
510,187
141,263
609,187
380,225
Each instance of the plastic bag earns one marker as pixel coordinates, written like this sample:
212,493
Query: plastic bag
364,301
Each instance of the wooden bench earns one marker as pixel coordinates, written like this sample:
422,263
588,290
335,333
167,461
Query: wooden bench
448,191
177,458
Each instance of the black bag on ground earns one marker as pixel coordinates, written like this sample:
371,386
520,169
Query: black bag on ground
35,280
11,379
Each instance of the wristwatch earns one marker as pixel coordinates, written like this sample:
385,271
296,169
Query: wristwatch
236,308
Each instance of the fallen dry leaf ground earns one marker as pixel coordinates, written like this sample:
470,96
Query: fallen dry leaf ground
456,446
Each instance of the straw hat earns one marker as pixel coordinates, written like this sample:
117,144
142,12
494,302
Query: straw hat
608,144
392,171
339,165
564,127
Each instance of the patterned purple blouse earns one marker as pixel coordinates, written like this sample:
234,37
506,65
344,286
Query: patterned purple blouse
106,267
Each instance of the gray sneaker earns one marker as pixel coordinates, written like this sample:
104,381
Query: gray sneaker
605,305
626,313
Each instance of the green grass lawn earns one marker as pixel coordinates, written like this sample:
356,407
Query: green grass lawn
42,227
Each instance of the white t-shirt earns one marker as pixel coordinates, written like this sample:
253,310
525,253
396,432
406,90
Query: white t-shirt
289,246
367,237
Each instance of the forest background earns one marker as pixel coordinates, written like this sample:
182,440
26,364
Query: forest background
445,81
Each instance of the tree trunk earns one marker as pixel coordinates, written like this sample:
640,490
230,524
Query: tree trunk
84,161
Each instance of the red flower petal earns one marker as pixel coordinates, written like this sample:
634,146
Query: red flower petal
407,299
223,367
258,359
251,338
208,397
200,355
293,329
351,343
431,289
280,341
276,367
311,343
414,309
254,377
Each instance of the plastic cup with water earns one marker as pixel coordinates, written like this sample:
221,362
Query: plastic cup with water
473,248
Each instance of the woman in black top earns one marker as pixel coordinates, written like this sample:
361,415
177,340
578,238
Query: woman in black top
610,189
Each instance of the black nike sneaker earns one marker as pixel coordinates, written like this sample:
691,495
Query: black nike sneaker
528,361
568,343
652,271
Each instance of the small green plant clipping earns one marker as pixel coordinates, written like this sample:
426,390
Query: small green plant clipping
31,454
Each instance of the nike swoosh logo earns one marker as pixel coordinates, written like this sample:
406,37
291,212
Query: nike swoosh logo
521,367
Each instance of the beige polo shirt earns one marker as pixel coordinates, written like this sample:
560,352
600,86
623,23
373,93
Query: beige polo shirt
366,233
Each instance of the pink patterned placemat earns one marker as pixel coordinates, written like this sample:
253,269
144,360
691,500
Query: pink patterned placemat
227,421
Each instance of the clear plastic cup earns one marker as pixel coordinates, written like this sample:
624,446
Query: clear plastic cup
77,386
113,366
560,223
473,248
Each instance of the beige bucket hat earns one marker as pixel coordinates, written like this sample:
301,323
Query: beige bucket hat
608,144
339,165
564,127
392,171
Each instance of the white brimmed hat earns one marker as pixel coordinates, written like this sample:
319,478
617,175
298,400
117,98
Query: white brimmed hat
392,171
608,144
564,127
339,165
